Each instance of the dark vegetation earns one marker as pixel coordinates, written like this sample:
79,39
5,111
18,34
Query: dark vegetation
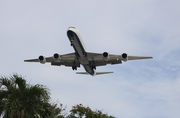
21,100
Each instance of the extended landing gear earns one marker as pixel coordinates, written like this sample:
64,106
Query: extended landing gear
74,67
94,67
72,42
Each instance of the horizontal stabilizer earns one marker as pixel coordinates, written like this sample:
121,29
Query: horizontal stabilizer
97,73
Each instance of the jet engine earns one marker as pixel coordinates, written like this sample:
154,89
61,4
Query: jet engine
42,59
124,57
56,57
106,56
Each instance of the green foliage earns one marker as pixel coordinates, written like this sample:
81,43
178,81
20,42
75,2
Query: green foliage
85,112
21,100
56,111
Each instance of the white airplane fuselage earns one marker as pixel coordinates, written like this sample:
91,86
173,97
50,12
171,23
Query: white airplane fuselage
80,50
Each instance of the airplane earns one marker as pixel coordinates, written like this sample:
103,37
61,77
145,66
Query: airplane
82,57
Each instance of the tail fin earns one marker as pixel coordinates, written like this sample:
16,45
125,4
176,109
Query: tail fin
97,73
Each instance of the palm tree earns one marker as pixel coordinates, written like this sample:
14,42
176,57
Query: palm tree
19,99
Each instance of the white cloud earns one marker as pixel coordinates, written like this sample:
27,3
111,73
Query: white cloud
147,88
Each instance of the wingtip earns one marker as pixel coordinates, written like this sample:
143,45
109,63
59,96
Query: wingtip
149,58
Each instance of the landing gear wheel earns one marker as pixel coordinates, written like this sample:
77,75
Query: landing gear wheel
94,67
74,67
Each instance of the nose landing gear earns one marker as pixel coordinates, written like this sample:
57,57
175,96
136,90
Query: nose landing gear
72,42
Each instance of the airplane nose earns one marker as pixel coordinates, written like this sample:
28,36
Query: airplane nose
72,27
70,33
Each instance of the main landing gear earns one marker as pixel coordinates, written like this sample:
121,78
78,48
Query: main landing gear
94,67
74,67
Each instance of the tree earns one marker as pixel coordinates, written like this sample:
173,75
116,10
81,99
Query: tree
57,111
79,111
19,99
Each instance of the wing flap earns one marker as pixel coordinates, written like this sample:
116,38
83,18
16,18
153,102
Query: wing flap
66,63
97,59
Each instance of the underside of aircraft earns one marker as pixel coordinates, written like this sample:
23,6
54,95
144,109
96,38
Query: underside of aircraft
81,56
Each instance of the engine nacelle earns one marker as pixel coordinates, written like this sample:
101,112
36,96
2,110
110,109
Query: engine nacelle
42,59
106,56
56,57
124,57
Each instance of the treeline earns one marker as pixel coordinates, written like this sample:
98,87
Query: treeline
18,99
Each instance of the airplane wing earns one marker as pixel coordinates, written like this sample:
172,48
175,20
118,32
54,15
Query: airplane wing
138,57
97,59
66,60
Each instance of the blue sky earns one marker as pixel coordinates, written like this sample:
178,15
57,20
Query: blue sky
137,89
